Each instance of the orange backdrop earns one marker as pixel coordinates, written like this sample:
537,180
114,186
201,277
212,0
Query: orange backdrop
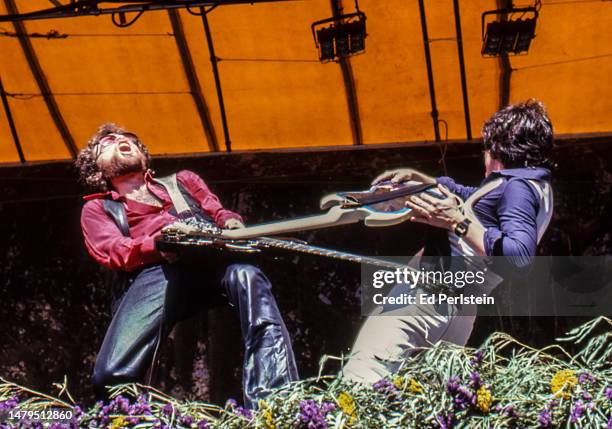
277,94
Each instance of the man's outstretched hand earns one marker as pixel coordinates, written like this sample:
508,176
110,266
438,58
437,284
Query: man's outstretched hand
446,213
233,224
404,175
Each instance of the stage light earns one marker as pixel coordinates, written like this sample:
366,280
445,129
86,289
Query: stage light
344,37
510,36
325,37
526,34
357,34
342,42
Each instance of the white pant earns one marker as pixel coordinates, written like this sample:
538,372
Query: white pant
385,341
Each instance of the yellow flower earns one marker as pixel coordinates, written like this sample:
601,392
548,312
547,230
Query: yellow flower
348,407
484,399
563,382
269,419
399,382
267,415
415,386
412,384
118,423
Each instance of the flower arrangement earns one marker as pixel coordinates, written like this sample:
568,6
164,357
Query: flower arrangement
503,384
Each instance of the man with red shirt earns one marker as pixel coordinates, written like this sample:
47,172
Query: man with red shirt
120,224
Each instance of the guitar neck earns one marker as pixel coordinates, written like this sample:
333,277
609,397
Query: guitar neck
329,253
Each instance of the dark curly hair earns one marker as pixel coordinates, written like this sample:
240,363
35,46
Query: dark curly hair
89,172
520,135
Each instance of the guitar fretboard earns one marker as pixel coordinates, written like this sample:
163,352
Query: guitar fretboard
329,253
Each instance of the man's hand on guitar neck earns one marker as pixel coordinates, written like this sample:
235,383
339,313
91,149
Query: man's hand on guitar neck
404,175
233,224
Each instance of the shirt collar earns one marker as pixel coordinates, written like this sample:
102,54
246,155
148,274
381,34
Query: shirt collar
529,173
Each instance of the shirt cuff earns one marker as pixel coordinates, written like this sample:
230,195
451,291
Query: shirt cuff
491,236
148,251
446,182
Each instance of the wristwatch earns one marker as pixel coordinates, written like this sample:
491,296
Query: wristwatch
462,227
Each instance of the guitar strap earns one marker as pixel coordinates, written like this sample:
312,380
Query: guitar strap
184,204
170,184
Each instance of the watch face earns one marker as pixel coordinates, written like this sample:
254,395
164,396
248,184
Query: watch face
461,228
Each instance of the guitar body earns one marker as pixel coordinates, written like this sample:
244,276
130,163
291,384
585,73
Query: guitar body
383,204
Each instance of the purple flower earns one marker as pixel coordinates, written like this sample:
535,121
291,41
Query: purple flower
186,421
585,377
78,412
132,420
577,411
446,421
384,386
119,405
140,407
452,385
168,409
609,425
465,396
545,418
9,404
462,395
476,358
327,407
231,403
313,417
475,380
202,424
244,412
27,424
609,393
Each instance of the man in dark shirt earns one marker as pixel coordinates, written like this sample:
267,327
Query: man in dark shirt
120,224
505,216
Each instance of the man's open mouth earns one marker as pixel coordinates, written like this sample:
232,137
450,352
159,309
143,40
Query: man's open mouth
124,147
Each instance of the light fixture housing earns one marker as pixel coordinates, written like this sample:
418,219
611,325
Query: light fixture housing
343,37
510,36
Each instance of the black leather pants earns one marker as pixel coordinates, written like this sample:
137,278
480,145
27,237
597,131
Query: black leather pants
161,295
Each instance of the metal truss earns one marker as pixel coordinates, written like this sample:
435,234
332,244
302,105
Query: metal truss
118,8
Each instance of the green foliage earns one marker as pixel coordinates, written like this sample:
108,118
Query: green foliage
503,384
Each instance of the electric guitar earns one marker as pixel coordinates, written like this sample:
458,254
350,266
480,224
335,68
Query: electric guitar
382,205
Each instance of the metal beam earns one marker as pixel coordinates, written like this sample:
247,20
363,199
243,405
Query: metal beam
432,89
9,118
41,80
466,104
192,79
214,60
505,74
349,85
90,7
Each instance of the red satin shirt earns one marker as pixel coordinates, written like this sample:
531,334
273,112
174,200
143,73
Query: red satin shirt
107,245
